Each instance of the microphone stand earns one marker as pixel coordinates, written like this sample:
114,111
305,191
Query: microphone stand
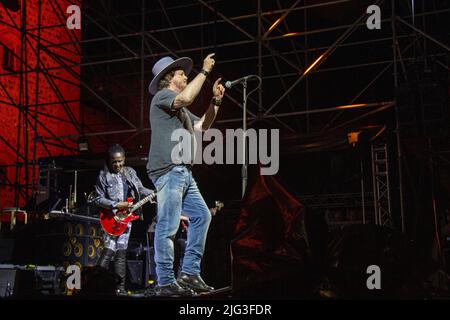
244,136
229,84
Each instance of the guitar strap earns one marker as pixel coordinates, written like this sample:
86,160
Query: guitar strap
131,185
126,187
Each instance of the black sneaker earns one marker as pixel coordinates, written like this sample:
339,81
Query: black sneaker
194,282
173,290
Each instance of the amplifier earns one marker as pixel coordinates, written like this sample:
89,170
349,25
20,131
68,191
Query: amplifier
65,242
135,273
22,281
7,281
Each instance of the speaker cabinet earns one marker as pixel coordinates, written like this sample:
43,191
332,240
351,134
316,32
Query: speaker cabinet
7,282
69,242
19,281
135,273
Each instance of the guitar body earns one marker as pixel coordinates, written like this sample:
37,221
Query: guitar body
113,227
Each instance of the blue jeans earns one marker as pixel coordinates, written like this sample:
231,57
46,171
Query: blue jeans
177,192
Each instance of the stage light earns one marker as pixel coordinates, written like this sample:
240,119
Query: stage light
274,25
353,137
313,64
350,106
378,133
82,144
291,34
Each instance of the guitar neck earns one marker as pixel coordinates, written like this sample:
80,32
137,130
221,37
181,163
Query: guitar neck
139,204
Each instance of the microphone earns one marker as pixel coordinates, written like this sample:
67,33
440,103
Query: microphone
230,84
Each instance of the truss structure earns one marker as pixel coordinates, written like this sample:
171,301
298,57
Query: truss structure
323,70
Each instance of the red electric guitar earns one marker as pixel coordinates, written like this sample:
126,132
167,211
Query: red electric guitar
115,224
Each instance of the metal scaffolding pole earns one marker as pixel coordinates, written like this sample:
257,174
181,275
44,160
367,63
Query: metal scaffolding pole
236,43
306,33
141,122
322,58
21,105
381,105
28,122
167,11
307,98
366,87
381,185
48,77
260,64
363,194
447,48
36,114
397,123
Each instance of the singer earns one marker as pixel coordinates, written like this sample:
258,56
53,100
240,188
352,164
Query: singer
176,187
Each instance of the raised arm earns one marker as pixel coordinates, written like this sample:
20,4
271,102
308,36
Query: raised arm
188,95
210,115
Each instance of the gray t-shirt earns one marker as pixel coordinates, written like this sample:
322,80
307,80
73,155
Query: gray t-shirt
164,120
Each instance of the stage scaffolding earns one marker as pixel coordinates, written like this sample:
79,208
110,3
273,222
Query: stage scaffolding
134,42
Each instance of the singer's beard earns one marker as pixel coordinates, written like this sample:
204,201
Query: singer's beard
181,85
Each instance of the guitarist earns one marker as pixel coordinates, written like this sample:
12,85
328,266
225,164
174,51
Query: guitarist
115,184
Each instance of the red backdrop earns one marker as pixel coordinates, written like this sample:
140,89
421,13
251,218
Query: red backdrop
55,86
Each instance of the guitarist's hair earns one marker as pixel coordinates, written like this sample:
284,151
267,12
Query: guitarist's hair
115,148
